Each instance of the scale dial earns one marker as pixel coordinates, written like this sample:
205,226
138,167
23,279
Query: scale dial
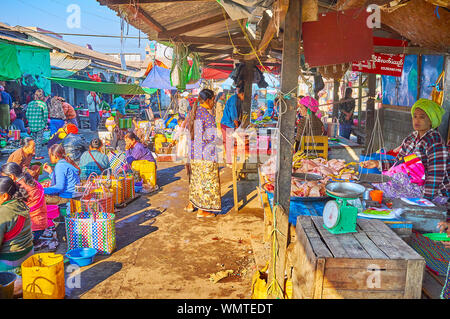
331,214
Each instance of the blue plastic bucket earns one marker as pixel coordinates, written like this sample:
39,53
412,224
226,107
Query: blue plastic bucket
7,280
81,256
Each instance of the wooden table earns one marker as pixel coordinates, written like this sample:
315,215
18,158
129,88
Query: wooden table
241,165
344,149
373,263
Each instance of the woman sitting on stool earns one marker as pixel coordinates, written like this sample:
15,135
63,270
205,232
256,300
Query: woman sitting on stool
63,179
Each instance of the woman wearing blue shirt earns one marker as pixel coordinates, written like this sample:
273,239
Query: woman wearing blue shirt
65,176
231,118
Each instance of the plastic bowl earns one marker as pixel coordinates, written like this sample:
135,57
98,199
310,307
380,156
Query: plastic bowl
81,256
437,236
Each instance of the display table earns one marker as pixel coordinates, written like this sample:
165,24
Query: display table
252,152
373,263
423,219
342,148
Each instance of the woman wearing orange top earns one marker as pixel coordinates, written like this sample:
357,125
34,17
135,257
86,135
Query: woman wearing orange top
35,200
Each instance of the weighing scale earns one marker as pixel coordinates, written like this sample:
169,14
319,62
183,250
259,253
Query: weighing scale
338,216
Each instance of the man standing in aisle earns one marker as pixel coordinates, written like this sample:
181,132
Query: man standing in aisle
231,118
93,102
5,107
37,115
119,105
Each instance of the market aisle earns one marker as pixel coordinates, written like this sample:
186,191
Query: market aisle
165,252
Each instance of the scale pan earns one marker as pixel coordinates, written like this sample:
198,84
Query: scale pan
345,189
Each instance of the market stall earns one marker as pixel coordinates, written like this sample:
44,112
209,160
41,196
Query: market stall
330,54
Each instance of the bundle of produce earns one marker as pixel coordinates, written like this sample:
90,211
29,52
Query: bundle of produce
302,188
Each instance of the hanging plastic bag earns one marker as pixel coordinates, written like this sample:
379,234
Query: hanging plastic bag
437,94
194,71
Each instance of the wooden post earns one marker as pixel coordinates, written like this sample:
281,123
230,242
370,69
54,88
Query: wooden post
419,75
336,85
370,109
444,128
248,83
289,83
360,84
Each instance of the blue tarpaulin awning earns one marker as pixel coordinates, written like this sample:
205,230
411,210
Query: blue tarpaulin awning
159,78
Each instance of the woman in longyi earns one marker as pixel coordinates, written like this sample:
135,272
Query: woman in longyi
204,185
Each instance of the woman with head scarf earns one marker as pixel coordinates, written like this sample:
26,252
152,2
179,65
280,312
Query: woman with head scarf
310,123
428,146
37,115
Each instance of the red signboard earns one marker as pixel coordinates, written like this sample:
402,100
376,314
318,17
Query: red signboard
338,37
381,63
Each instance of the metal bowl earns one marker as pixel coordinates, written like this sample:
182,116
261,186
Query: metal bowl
345,189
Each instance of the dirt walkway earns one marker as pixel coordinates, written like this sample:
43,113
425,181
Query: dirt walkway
165,252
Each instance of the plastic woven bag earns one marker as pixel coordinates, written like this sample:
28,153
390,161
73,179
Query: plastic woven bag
117,161
116,183
43,276
129,187
91,230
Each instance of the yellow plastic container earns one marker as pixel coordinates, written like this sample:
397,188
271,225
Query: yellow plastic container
43,276
147,171
159,139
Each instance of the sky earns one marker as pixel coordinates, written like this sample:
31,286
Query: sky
53,15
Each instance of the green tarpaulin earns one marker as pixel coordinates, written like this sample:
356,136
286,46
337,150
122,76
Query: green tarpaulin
9,66
102,87
30,63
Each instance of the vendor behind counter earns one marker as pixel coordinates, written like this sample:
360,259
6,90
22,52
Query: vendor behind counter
428,145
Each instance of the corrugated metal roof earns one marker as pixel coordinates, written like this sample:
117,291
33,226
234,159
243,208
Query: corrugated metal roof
12,39
66,62
73,49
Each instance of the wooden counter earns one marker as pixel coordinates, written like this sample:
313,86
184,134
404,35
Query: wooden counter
373,263
423,219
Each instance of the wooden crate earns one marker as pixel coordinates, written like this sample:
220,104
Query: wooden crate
372,263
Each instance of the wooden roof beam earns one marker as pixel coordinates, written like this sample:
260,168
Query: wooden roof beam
219,67
209,40
407,50
118,2
269,33
144,17
208,50
194,26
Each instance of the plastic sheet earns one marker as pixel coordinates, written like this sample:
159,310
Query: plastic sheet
401,90
432,66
